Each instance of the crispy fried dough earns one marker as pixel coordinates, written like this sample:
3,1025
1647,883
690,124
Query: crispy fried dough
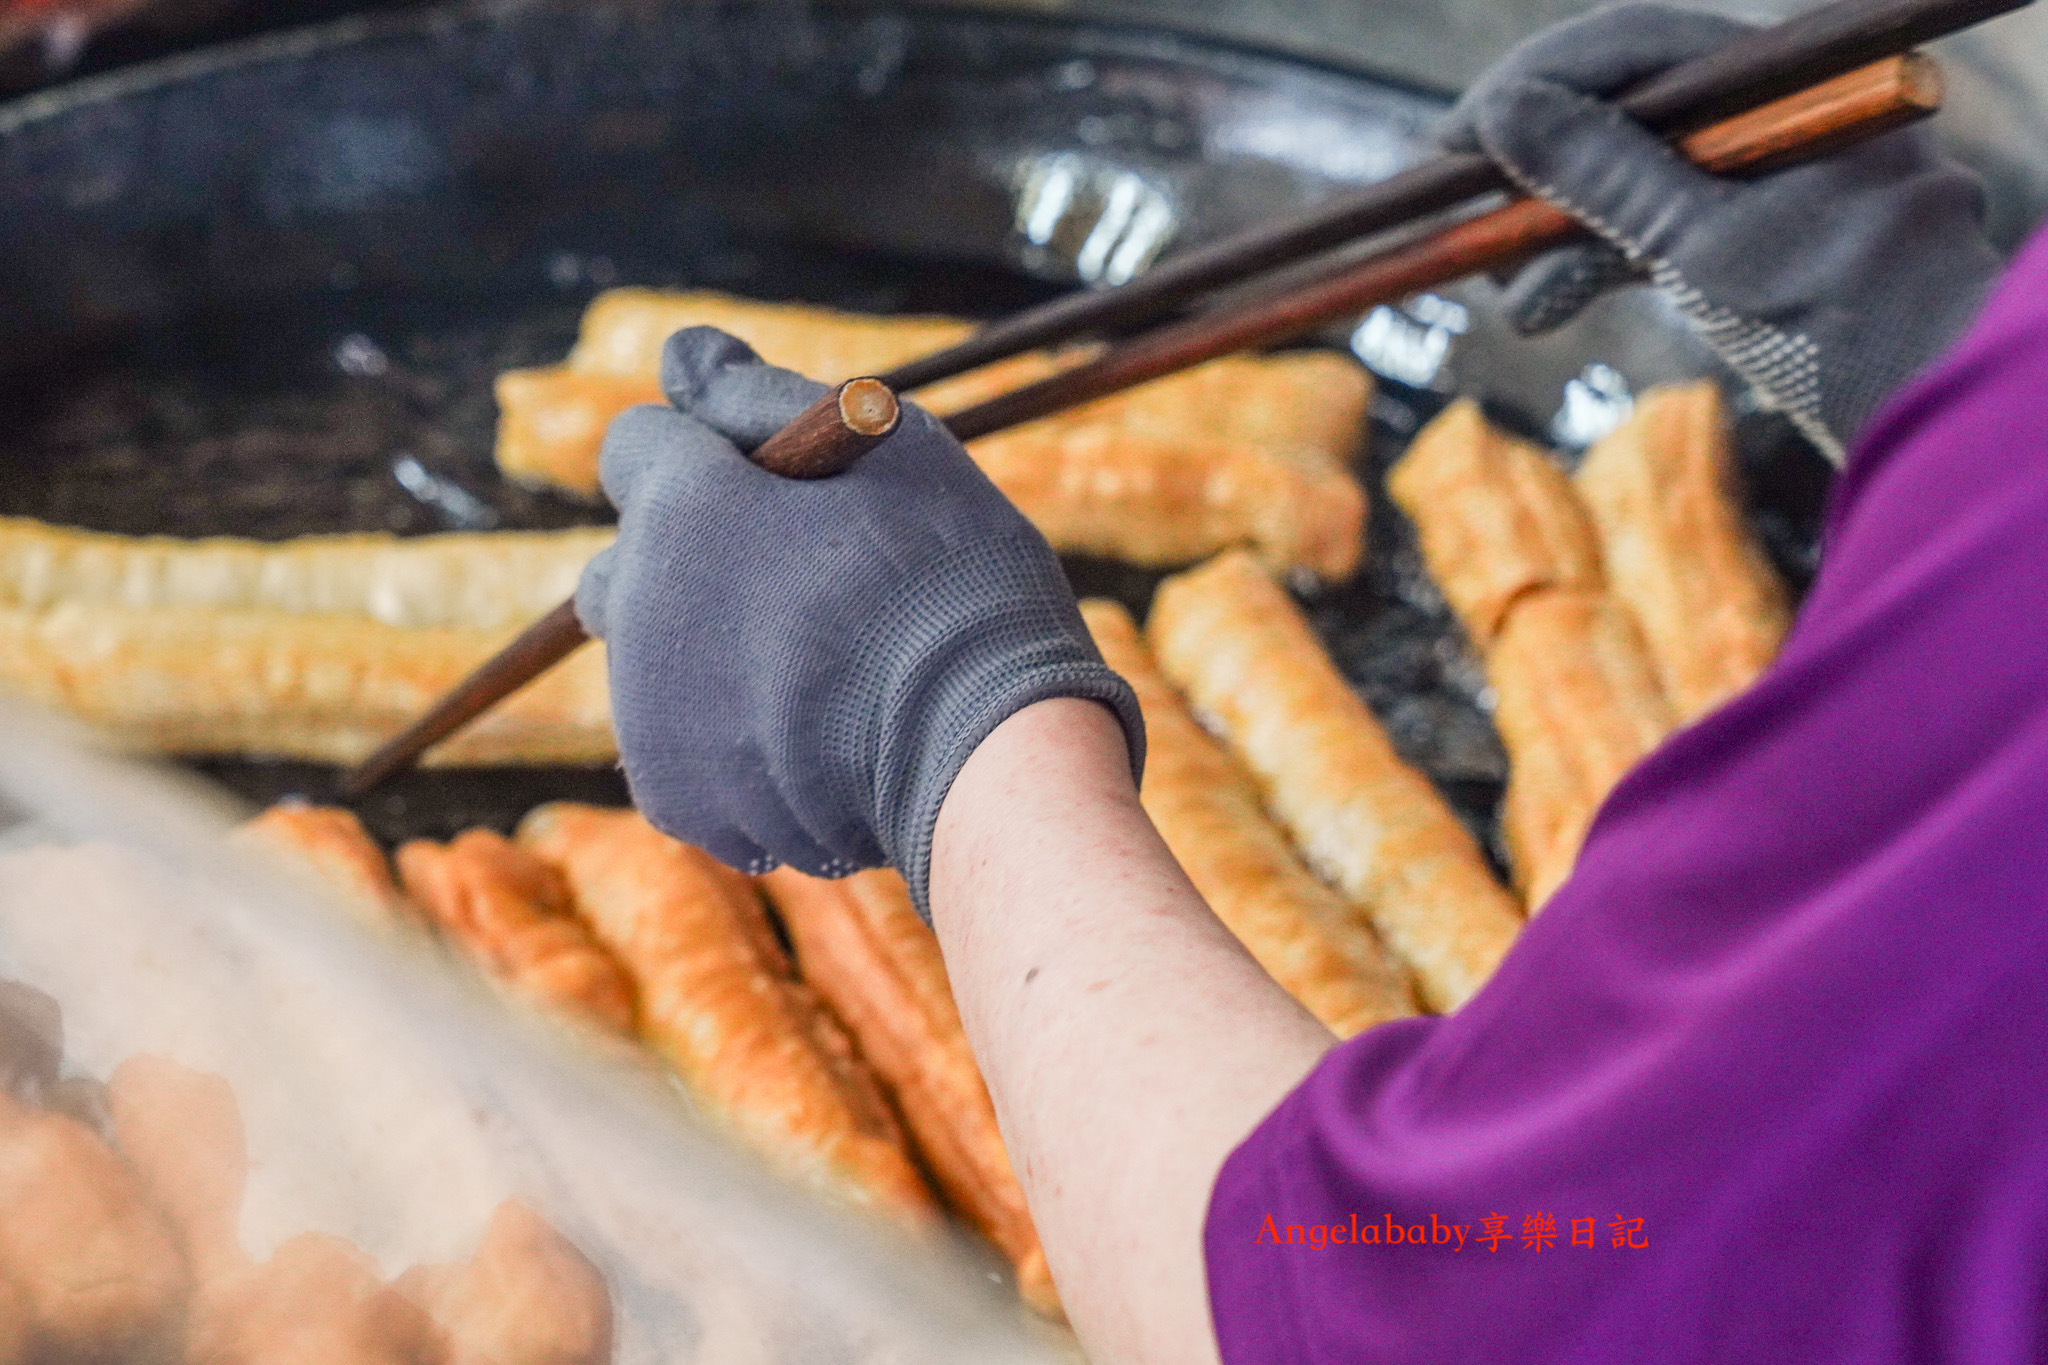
326,688
94,1263
1248,662
718,1002
526,1297
1206,807
332,843
1242,450
472,580
1578,706
1495,517
1662,489
860,943
510,913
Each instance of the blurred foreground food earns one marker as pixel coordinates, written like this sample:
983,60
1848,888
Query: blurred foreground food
120,1241
807,1061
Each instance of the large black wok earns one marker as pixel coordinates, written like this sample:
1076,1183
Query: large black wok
264,290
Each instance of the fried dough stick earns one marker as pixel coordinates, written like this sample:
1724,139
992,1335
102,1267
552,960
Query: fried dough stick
317,1301
478,580
1206,807
182,1131
1662,490
1091,490
526,1296
1495,517
1246,658
1243,450
332,843
861,945
326,688
622,332
1507,539
511,914
1578,706
89,1268
720,1003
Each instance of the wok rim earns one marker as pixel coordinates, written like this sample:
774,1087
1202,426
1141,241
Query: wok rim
105,87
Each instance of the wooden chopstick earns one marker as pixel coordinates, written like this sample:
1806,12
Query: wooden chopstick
1864,103
1772,62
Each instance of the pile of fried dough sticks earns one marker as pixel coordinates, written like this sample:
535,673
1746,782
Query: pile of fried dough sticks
839,1058
121,1208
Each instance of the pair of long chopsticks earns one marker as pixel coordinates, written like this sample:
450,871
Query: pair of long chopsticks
1886,95
1751,71
1817,55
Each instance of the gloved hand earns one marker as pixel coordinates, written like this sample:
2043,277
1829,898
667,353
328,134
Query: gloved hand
1825,286
800,668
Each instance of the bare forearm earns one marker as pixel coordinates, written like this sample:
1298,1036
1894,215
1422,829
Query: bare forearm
1128,1040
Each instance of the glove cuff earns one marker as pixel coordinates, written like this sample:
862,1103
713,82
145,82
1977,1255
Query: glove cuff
984,632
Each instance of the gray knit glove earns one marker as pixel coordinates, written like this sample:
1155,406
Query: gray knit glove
1825,286
799,669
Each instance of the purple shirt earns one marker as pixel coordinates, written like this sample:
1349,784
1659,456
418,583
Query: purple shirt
1784,1035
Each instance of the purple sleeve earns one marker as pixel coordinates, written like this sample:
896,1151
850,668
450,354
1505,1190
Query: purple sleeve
1768,1079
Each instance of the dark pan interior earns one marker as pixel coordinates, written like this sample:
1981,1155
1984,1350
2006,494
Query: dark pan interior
263,291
